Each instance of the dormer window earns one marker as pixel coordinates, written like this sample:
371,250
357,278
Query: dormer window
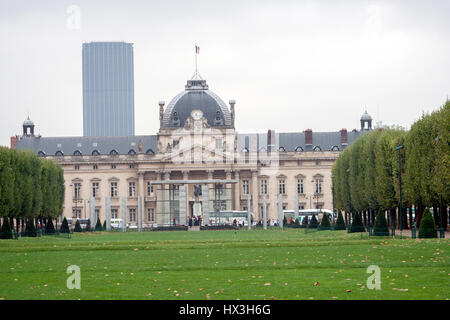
299,149
282,149
132,152
317,148
77,153
150,152
114,152
59,153
335,148
41,154
95,153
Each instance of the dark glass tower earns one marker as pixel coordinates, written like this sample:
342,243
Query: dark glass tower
108,89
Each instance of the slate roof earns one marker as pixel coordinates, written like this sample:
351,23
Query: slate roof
86,145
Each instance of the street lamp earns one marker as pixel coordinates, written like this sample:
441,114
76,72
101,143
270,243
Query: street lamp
399,147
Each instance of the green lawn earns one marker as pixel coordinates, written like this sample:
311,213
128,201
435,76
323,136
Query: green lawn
255,264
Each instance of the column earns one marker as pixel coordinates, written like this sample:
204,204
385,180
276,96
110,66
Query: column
249,216
108,214
183,206
254,193
92,212
229,191
141,195
205,205
265,211
124,214
237,188
296,206
280,210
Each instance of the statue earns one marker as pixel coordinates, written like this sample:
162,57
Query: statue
140,146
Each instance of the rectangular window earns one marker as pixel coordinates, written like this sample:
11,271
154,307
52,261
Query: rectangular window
264,186
77,167
318,186
114,189
282,186
114,214
95,167
132,212
150,214
76,213
219,144
300,186
113,166
77,190
95,187
245,186
149,189
132,189
301,207
97,215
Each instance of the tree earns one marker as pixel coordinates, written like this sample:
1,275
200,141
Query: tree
77,226
98,225
380,228
64,226
427,228
30,229
357,225
325,223
88,225
313,223
104,225
49,227
5,232
340,224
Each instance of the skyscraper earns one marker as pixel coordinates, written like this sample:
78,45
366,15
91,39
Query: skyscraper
108,89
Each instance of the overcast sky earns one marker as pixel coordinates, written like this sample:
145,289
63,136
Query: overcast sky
290,65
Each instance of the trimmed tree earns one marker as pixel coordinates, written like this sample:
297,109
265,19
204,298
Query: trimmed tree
5,232
380,228
313,223
104,225
49,227
340,223
64,226
30,229
427,227
77,226
357,225
325,223
304,222
98,225
88,225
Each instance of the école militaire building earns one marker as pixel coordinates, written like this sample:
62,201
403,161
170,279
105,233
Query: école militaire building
197,163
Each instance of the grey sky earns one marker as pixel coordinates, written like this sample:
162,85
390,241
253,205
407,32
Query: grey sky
290,65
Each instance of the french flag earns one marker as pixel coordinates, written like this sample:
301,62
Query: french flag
197,49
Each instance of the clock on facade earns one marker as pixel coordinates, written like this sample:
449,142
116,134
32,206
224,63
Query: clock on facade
196,114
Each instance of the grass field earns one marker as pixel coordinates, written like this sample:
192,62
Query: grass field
255,264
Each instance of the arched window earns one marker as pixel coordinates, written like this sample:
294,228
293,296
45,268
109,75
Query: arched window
299,149
317,148
59,153
95,153
132,152
150,152
41,154
114,152
77,153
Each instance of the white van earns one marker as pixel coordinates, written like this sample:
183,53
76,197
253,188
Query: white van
116,223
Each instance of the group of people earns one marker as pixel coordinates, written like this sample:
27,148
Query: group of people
195,221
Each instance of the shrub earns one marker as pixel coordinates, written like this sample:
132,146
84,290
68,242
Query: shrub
64,226
380,227
427,228
98,225
325,223
340,223
5,232
77,226
88,225
284,221
104,225
313,223
49,227
357,225
30,229
304,222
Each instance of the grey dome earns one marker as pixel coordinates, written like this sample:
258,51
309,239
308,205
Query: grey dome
366,116
196,96
28,122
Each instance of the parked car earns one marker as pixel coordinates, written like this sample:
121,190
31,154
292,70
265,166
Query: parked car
116,223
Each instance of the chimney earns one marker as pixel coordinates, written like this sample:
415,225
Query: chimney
271,140
344,140
232,103
161,112
14,141
308,137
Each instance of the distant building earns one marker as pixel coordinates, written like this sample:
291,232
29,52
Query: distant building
153,178
108,89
